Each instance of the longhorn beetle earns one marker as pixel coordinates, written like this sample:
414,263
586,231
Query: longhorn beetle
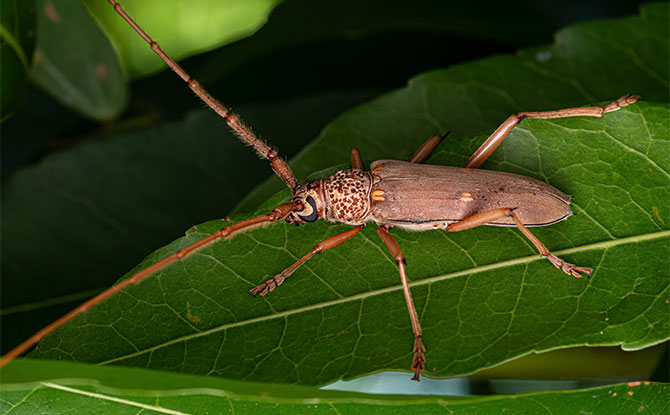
408,195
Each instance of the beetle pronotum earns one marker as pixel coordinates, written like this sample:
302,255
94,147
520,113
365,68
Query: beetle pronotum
408,195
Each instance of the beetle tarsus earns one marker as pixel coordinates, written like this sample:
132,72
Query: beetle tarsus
419,359
568,268
621,102
268,285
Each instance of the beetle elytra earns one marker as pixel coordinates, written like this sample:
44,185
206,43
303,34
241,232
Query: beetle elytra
408,195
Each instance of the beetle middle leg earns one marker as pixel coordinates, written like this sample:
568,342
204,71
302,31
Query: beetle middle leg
427,148
491,215
494,140
418,360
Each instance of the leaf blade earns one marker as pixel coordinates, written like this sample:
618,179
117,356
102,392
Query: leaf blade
485,290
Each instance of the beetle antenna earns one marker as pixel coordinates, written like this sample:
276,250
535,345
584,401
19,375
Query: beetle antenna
244,133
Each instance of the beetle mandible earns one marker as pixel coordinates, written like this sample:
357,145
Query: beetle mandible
408,195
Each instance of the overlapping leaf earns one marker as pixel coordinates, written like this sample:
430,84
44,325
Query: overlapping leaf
75,63
35,387
184,27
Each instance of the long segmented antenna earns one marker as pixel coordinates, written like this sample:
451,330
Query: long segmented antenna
244,133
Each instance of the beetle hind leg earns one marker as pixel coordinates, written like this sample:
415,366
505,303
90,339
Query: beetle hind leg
491,215
504,129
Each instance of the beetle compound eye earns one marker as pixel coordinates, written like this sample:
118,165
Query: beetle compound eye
313,215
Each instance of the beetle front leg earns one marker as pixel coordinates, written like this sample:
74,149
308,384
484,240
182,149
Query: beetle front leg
491,143
419,360
328,243
491,215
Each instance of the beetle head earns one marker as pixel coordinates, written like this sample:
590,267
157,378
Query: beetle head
310,204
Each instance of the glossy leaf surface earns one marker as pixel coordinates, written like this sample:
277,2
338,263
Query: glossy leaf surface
484,296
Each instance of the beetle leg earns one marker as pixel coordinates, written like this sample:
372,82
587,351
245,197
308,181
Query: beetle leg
326,244
491,215
499,135
356,161
427,148
418,361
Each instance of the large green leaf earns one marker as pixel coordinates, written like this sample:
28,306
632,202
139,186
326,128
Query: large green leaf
484,296
32,387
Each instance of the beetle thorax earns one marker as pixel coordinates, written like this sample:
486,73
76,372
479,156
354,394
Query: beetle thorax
347,196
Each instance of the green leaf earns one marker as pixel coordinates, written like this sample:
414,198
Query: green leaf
34,387
191,27
75,63
484,296
17,33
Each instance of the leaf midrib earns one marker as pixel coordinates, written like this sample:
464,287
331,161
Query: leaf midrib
367,294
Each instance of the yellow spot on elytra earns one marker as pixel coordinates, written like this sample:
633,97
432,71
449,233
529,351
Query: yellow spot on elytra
466,194
377,192
378,198
378,167
466,199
